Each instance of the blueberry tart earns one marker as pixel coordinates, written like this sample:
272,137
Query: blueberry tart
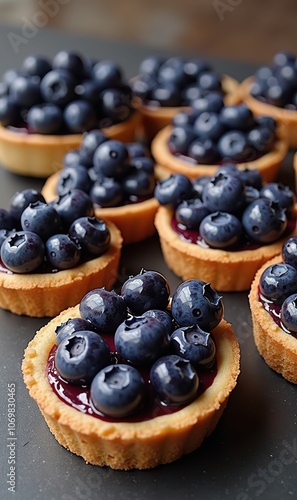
45,106
96,372
273,303
203,138
165,86
52,254
223,228
119,178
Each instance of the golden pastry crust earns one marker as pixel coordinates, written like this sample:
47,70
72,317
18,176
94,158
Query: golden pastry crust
295,169
268,164
286,117
39,155
41,295
278,348
154,119
123,445
135,221
226,271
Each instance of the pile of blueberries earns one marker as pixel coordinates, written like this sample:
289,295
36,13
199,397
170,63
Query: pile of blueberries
211,132
230,210
36,236
111,172
277,84
175,81
278,286
70,94
147,335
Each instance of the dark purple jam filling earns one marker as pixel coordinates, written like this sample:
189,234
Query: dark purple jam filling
78,396
274,310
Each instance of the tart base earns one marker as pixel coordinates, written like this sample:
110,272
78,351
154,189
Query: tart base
123,445
226,271
39,155
167,164
278,349
41,295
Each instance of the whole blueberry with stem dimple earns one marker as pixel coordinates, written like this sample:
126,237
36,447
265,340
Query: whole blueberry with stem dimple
196,302
62,252
72,205
224,192
288,313
276,191
105,309
111,159
172,190
220,229
264,221
191,212
106,192
174,380
278,281
72,325
57,87
90,142
289,251
195,345
237,117
22,199
233,145
208,125
81,355
146,290
22,252
42,219
91,234
73,178
118,390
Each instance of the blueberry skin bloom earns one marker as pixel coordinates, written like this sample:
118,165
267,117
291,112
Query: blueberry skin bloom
172,190
42,219
278,281
264,221
289,251
146,290
163,316
45,118
224,192
289,313
110,159
278,192
118,390
141,339
194,344
22,252
62,252
71,326
196,302
174,380
72,205
106,310
190,213
92,235
80,356
220,229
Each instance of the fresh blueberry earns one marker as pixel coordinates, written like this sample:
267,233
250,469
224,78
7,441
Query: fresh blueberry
36,66
22,252
25,92
73,158
115,106
146,290
220,229
118,391
195,67
80,356
143,163
209,81
139,184
289,251
278,93
72,325
283,58
224,193
79,117
106,310
267,122
72,205
22,199
107,73
162,316
137,150
166,94
208,125
180,139
106,192
264,221
211,102
90,142
199,183
151,65
92,235
172,71
261,138
233,145
184,118
237,117
111,159
69,61
42,219
194,344
174,380
288,313
58,87
191,212
73,178
251,194
62,252
203,151
251,177
278,281
143,86
275,191
7,221
9,111
45,119
172,190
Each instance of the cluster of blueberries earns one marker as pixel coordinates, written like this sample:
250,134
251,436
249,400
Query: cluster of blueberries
39,236
111,172
277,84
70,94
229,210
278,286
147,335
211,132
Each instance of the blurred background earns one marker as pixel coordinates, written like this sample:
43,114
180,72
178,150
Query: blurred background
246,30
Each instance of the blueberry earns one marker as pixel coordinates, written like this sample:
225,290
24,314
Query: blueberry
42,219
89,91
194,344
184,118
277,282
172,71
143,86
90,142
190,93
166,94
72,205
25,92
224,192
36,66
7,220
172,190
282,58
288,313
118,391
143,163
58,87
106,310
141,339
69,61
62,252
79,117
210,81
115,105
264,221
137,150
92,235
73,158
289,251
174,380
251,177
22,252
146,290
220,229
80,356
261,138
111,159
72,325
275,191
267,122
195,67
251,194
138,183
107,73
5,233
212,102
203,151
180,139
196,302
162,316
45,119
191,212
9,111
151,65
106,192
22,199
208,125
237,117
278,93
75,177
233,145
199,183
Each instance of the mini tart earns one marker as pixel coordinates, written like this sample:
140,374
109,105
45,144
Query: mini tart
286,117
268,164
278,348
124,445
135,220
295,168
154,118
38,155
226,271
47,294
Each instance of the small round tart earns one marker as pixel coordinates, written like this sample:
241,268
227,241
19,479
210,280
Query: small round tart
38,155
47,294
127,445
278,348
167,163
226,270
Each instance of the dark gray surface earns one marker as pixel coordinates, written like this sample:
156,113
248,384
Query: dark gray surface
253,451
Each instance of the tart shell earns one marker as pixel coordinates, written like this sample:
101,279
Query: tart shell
279,349
167,164
226,271
124,445
39,155
47,294
135,220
